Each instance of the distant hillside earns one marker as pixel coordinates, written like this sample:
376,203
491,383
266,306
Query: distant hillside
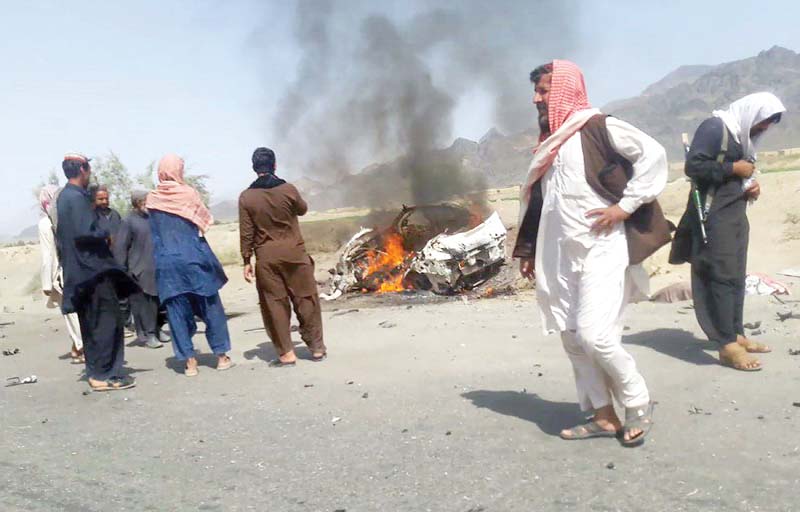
681,100
225,211
682,75
675,104
29,234
495,161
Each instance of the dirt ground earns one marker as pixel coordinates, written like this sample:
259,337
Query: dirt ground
424,405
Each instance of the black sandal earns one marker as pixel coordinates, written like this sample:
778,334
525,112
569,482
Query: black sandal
115,384
637,418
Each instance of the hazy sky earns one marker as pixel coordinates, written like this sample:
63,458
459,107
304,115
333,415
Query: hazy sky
203,78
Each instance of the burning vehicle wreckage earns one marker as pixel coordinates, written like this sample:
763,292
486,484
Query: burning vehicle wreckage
441,248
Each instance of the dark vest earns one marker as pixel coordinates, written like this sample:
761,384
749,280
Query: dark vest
607,172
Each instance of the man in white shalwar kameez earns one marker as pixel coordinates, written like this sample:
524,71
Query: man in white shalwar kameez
51,274
580,251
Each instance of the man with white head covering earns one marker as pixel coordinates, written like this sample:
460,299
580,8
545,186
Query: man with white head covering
588,217
52,277
721,164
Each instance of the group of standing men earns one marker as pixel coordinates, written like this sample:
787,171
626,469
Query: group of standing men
158,257
588,218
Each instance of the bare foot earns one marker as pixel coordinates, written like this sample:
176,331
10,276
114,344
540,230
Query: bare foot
735,356
288,357
752,346
224,362
191,367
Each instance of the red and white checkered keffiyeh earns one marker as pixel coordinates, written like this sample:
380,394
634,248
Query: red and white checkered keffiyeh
568,109
567,93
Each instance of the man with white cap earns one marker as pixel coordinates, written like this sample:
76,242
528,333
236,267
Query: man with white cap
721,164
93,281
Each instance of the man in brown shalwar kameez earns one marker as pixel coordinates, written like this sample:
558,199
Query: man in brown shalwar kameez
284,272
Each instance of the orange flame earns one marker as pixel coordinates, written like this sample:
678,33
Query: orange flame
383,264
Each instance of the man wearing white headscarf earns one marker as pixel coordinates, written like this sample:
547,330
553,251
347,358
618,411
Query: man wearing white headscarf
52,277
721,164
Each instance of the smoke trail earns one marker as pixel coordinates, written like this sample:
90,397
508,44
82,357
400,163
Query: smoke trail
373,89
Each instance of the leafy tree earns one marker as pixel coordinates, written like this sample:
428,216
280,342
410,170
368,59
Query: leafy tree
52,179
111,172
146,179
199,182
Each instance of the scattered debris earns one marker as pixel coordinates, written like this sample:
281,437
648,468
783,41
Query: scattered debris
349,382
365,395
418,251
752,325
86,393
11,352
794,351
499,291
308,385
404,431
786,316
611,465
335,420
761,417
16,381
796,404
697,410
790,272
462,261
387,324
4,324
760,284
448,433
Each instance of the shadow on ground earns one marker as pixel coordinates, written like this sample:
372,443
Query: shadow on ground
179,366
550,417
266,352
675,343
126,371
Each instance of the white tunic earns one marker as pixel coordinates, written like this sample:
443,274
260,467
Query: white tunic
565,245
